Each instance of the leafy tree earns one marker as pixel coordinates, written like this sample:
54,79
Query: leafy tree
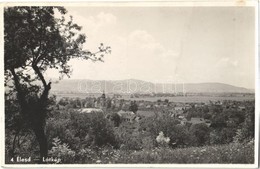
36,41
133,107
128,138
179,136
247,129
222,135
90,105
101,131
116,119
171,128
200,134
63,102
81,130
109,104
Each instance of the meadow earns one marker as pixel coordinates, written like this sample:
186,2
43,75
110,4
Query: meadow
196,99
233,153
180,99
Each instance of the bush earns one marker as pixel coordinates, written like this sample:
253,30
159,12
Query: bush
171,128
61,151
200,134
80,131
222,136
116,119
162,140
19,144
101,130
128,137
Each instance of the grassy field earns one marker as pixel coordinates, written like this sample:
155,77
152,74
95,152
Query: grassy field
233,153
180,99
222,154
196,99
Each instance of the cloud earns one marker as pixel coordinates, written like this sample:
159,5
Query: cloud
145,54
142,39
134,55
159,48
96,27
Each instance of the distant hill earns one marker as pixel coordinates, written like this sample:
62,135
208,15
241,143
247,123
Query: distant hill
139,86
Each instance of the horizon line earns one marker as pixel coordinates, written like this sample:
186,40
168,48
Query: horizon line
49,78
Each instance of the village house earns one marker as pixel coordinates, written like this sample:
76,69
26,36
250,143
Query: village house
187,106
144,113
128,116
90,110
100,102
241,108
178,110
116,96
148,106
115,102
141,105
198,120
183,121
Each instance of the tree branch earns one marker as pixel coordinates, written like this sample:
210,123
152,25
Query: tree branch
47,87
40,39
45,93
19,90
38,72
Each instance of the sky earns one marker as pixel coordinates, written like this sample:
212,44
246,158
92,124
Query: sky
168,44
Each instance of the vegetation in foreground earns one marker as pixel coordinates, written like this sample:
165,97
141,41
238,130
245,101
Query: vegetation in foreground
92,138
223,154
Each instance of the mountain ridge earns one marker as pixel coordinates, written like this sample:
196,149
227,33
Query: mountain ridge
140,86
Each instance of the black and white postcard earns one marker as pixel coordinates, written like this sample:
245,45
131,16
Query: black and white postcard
130,84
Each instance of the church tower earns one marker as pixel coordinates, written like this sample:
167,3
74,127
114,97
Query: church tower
103,100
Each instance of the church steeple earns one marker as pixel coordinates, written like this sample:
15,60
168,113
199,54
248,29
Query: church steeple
103,100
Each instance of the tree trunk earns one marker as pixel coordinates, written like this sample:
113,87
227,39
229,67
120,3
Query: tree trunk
35,111
42,140
13,149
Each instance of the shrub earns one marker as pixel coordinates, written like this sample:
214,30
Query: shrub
116,119
162,140
128,137
62,151
101,130
200,134
81,130
171,128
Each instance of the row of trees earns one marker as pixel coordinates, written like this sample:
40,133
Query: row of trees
67,102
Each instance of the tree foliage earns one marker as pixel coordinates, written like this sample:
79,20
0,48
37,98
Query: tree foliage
133,107
200,134
81,130
36,40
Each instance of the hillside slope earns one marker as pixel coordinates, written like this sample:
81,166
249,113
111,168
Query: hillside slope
138,86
